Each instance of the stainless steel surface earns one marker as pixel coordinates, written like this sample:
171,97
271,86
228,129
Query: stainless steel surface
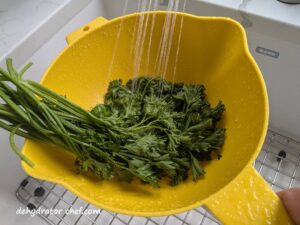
279,171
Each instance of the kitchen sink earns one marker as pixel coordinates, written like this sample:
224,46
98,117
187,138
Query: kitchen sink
273,41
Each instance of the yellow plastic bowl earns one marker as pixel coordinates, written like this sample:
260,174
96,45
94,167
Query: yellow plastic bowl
208,50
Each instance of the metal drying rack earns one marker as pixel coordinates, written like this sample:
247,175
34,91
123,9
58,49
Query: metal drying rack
278,163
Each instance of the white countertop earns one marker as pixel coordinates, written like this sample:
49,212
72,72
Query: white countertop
20,18
271,9
27,25
274,10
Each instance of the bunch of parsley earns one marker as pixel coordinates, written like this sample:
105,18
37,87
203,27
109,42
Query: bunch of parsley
147,128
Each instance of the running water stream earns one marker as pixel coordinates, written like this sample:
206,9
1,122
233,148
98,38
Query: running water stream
141,45
109,72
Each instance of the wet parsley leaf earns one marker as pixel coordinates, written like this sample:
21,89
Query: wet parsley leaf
146,128
168,128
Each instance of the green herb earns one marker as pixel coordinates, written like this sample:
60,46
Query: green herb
147,128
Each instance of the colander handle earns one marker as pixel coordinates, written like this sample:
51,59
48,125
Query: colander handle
87,28
248,200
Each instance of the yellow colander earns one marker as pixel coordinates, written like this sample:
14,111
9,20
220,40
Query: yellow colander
208,50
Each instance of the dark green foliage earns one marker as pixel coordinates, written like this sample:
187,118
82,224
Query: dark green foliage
147,128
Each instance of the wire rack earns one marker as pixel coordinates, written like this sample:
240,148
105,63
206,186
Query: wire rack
278,163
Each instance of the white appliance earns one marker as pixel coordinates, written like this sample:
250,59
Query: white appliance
273,31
